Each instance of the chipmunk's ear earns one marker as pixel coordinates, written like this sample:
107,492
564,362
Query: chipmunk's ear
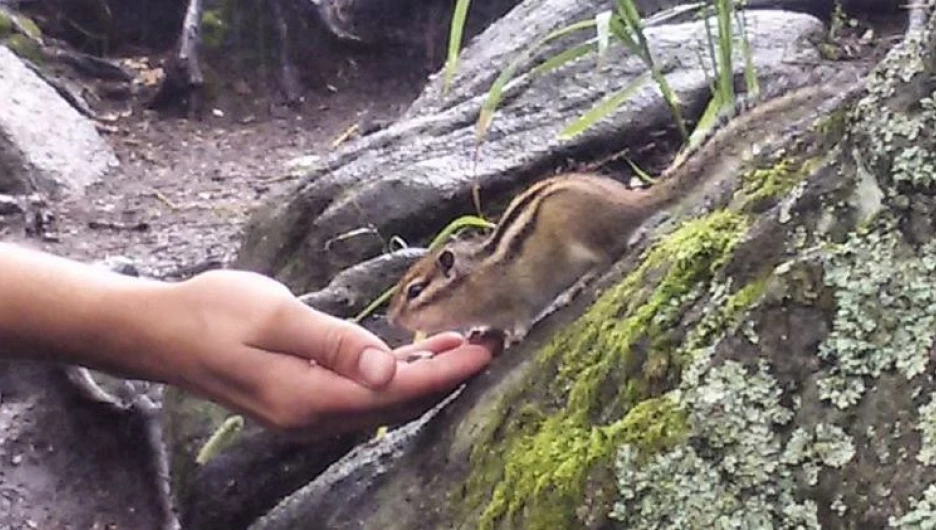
446,262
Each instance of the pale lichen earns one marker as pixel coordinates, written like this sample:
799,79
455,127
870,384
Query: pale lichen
896,134
743,465
824,446
927,427
922,514
746,475
885,314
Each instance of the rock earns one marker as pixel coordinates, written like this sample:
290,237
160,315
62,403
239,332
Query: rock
120,265
9,205
410,179
402,21
68,450
764,360
45,144
352,289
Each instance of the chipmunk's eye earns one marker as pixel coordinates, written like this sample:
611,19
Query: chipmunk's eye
415,289
446,261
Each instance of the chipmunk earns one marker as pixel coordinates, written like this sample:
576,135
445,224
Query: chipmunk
564,231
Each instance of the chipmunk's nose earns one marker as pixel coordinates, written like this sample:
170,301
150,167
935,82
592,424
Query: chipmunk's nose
394,316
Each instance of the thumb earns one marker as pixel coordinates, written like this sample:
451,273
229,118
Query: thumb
341,346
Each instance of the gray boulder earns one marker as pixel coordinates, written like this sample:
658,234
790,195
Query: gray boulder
45,144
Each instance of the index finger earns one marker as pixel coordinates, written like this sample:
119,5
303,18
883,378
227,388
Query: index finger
329,393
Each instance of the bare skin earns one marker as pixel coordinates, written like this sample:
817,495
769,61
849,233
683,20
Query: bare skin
235,337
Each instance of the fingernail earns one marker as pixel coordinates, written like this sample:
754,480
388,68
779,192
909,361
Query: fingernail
376,367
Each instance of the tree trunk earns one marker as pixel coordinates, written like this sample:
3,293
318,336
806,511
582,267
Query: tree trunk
184,78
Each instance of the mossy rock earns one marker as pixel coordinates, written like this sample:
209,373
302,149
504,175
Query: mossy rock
761,363
24,47
30,28
6,25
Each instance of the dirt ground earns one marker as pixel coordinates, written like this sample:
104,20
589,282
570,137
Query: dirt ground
185,187
176,204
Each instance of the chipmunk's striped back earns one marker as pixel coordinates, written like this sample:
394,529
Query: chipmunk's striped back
568,228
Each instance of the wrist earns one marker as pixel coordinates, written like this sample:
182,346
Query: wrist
58,309
127,332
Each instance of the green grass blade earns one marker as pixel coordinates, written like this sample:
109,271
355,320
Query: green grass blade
672,101
222,437
493,98
724,14
564,57
486,116
622,32
371,307
604,108
710,40
456,31
750,70
662,17
465,221
641,174
634,29
708,120
603,34
627,9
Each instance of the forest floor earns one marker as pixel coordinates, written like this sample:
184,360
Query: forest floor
176,203
185,187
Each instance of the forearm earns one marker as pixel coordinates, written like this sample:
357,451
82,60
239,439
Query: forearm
239,338
53,308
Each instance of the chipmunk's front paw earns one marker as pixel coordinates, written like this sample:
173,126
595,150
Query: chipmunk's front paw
495,338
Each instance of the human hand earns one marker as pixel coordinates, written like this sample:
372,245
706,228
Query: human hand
245,341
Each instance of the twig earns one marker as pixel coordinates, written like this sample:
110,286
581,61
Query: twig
343,137
165,200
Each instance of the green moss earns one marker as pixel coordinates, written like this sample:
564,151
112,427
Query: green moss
726,313
215,28
537,475
653,426
689,257
6,25
831,127
763,185
755,470
22,46
549,467
27,26
541,466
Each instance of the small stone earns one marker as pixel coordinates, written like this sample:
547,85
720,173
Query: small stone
17,459
120,265
9,205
